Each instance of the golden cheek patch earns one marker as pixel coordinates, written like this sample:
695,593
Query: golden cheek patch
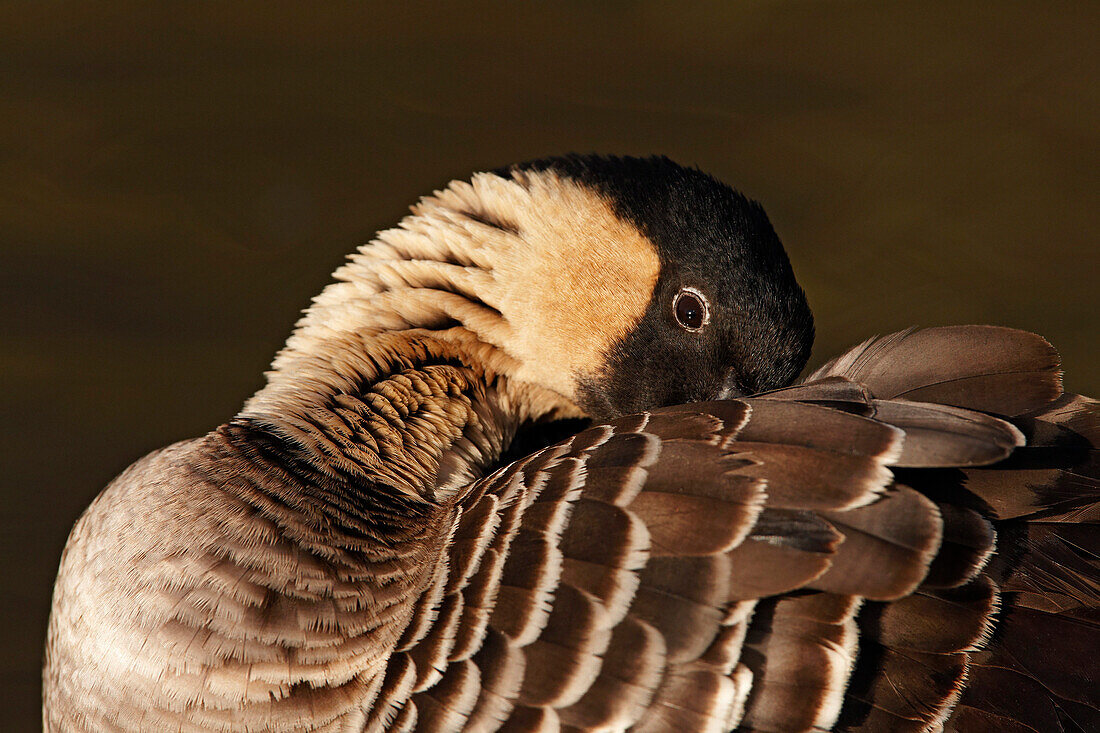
580,281
538,268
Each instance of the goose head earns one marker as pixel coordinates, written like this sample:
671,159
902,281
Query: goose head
601,286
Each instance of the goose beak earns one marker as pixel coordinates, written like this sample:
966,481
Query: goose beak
729,389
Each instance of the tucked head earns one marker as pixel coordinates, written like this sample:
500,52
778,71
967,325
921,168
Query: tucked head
613,284
724,314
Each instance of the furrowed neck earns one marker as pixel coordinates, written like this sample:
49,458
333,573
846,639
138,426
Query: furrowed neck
407,411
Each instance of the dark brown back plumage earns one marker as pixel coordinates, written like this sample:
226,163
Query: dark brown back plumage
769,564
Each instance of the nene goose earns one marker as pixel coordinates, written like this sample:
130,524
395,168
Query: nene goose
410,527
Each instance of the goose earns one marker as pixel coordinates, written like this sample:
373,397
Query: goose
536,460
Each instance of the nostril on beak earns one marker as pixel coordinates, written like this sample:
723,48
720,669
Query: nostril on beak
729,388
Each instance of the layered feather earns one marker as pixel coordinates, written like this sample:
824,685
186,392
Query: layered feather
906,541
715,557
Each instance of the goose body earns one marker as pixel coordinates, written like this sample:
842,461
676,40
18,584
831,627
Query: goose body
505,475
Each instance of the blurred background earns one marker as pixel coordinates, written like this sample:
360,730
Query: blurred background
177,181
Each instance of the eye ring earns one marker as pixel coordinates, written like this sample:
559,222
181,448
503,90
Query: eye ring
691,309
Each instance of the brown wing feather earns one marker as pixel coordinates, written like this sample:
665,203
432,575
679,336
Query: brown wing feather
800,650
986,368
704,567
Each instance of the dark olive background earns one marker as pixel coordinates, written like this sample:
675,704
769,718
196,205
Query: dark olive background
176,183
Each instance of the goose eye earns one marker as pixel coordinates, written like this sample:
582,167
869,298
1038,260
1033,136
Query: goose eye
691,309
